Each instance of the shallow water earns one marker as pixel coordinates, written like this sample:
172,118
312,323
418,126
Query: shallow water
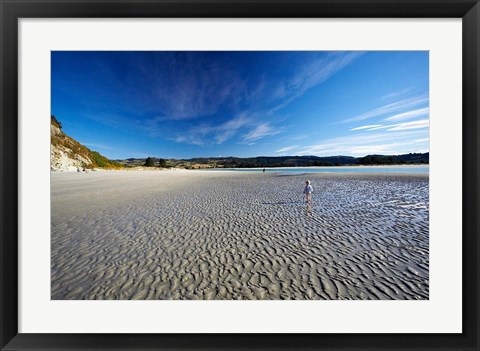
342,169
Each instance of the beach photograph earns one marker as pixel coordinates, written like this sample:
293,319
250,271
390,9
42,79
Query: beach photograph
239,175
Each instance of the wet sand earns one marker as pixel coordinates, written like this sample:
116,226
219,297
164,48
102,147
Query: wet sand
238,235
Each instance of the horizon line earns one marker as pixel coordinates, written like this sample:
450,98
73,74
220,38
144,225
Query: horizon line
174,158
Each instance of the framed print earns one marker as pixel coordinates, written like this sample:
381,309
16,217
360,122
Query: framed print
247,175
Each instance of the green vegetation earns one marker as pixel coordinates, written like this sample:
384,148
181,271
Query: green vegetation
103,162
79,150
56,122
153,162
266,161
284,161
150,162
395,159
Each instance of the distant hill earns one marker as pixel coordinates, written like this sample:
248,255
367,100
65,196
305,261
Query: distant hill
280,161
67,154
283,161
395,159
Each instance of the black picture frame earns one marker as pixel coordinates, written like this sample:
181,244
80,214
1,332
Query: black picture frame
12,10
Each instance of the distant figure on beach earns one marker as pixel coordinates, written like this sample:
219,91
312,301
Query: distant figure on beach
264,170
308,192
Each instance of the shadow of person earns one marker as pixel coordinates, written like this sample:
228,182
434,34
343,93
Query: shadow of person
308,209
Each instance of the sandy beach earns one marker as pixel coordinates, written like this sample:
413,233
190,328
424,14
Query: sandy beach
238,235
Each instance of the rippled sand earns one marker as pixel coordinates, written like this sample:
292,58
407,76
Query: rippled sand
237,235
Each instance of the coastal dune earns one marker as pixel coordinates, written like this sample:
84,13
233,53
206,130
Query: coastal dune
238,235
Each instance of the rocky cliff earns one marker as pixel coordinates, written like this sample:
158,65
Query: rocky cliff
67,154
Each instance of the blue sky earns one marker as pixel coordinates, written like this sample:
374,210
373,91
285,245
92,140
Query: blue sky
245,103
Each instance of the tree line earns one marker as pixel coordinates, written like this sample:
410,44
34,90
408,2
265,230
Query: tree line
156,162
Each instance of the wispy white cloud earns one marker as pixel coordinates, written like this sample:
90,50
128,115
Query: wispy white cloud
392,107
260,131
423,123
190,139
205,134
397,94
387,142
188,88
287,148
228,129
409,114
209,134
375,149
380,127
297,137
400,126
367,127
310,75
391,148
195,90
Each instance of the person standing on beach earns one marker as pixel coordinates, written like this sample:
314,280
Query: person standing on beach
308,192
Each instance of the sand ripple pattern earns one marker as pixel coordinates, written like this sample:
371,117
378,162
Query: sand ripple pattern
220,235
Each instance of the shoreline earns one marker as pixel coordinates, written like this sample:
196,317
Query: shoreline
246,169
